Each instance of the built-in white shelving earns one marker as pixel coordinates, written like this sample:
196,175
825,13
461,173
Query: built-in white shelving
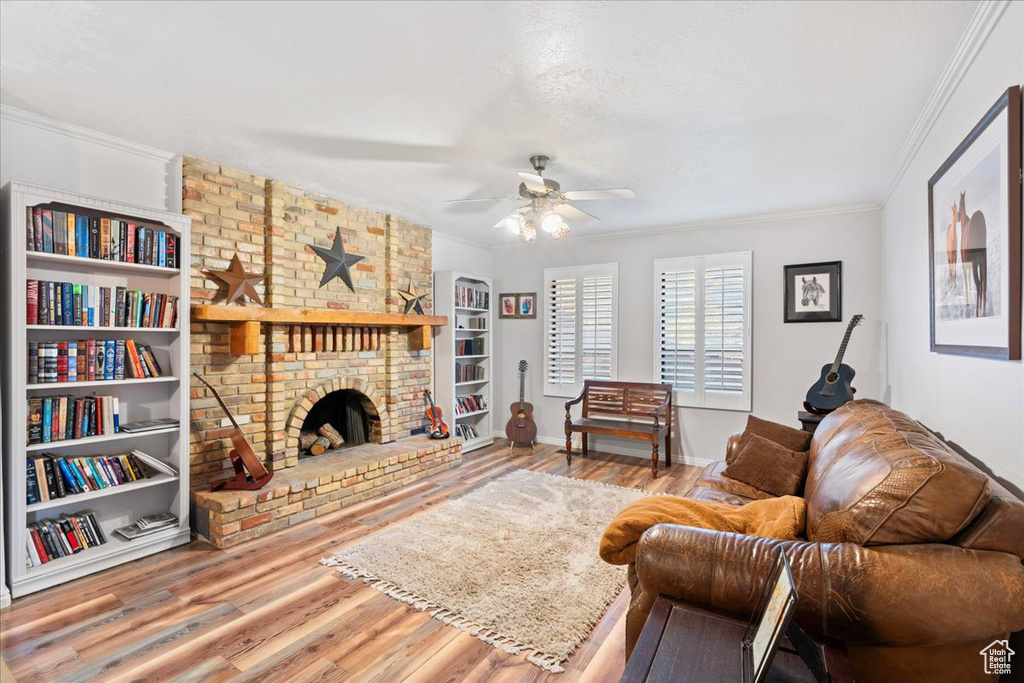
140,399
448,356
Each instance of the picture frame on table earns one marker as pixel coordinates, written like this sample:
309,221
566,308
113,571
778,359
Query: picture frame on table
974,239
813,292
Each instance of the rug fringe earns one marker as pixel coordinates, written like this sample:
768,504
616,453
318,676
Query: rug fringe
497,640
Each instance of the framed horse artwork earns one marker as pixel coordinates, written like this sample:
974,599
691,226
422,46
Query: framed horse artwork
813,292
974,239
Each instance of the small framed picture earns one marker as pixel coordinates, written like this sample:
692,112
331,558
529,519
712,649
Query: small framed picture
509,306
527,305
813,292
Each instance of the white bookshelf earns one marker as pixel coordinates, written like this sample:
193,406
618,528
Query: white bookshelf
139,399
462,322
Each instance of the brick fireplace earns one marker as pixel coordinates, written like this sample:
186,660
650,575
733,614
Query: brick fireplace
279,387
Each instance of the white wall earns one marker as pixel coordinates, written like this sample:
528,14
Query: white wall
974,402
53,154
786,357
451,253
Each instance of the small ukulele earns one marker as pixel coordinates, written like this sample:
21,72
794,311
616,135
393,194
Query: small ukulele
438,429
521,428
833,388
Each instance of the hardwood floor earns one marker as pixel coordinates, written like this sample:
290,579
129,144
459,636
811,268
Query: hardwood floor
267,611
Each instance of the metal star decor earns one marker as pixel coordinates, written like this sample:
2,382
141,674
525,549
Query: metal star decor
413,301
240,283
337,261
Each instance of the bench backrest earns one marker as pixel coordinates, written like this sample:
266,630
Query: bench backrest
625,399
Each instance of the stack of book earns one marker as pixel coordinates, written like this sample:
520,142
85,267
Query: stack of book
468,372
66,303
51,477
469,404
469,347
150,524
54,231
466,431
51,539
62,418
470,297
90,360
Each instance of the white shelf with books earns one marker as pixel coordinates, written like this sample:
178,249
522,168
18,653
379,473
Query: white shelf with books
463,356
109,280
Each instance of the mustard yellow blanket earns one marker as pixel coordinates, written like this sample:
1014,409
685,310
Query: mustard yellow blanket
783,517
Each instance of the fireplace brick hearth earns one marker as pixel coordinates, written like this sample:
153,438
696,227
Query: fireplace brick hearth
272,227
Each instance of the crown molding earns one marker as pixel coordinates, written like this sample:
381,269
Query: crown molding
13,114
703,225
986,17
463,240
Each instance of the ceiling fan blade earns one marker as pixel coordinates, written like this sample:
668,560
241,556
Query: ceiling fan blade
574,214
501,223
485,199
534,182
577,195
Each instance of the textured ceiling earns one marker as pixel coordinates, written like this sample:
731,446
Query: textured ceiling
705,109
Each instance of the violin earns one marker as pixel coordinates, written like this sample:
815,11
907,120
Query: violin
438,428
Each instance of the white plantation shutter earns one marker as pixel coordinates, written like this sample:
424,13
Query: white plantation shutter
580,326
702,337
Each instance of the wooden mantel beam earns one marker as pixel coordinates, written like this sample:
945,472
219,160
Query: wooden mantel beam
245,322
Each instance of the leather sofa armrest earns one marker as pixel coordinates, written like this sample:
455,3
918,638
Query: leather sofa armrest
732,447
900,595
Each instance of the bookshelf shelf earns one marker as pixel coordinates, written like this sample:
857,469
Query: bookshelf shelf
100,439
95,328
100,383
155,480
95,264
448,286
139,399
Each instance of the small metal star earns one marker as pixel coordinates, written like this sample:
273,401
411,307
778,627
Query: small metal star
413,301
337,261
240,283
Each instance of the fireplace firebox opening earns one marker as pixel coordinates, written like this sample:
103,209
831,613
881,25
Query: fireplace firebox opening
341,419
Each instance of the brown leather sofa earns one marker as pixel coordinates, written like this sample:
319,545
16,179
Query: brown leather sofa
913,555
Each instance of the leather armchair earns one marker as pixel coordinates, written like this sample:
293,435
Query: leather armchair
907,612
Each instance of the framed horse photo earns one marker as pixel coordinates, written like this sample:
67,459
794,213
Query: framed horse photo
974,239
813,292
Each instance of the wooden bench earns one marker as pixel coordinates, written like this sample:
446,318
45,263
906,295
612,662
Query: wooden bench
644,412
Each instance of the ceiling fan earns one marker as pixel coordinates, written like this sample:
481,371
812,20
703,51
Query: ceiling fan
549,207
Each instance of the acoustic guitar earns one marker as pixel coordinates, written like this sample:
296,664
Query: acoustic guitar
834,387
521,428
438,428
250,473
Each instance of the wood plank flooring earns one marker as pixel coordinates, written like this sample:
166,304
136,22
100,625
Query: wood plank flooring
267,611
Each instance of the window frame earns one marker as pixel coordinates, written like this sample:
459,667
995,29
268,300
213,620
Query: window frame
702,397
579,273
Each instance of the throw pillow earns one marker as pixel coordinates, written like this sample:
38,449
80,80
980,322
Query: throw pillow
789,437
767,466
782,518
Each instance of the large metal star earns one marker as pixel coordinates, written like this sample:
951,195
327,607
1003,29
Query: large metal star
240,283
413,301
337,261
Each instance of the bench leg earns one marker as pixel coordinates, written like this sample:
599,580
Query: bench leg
586,450
654,457
668,447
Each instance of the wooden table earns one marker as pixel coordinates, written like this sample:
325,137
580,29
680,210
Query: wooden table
685,644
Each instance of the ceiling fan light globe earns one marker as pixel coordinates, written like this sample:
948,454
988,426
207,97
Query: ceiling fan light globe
552,223
528,233
560,232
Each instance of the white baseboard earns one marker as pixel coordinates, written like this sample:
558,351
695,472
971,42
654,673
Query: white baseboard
643,454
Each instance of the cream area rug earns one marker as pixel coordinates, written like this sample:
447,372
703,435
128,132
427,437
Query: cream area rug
514,562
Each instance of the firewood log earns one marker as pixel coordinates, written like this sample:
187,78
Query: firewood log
306,440
320,445
333,435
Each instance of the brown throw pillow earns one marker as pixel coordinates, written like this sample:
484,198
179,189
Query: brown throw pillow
787,437
767,466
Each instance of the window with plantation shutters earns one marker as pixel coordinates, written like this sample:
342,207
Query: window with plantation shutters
702,333
580,326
